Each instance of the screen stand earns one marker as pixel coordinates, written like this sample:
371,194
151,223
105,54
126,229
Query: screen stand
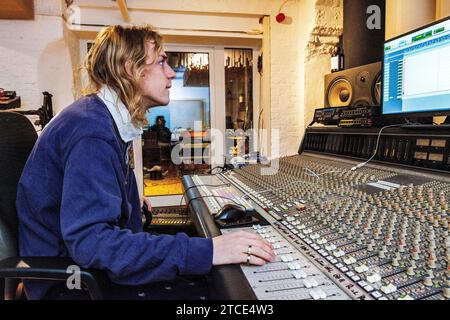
425,120
419,121
447,121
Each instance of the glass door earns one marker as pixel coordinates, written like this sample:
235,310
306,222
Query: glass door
239,102
176,141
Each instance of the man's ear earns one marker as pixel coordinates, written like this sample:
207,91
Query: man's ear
128,68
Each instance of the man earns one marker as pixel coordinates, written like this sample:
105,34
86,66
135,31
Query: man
163,133
77,196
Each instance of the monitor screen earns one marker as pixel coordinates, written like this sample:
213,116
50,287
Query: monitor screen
417,71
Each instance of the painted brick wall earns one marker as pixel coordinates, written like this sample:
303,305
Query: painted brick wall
34,57
301,54
286,74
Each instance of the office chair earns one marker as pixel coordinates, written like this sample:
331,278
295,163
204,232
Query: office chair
17,138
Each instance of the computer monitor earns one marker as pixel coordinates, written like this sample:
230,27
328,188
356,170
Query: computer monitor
416,72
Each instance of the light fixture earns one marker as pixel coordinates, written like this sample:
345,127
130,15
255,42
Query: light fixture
280,17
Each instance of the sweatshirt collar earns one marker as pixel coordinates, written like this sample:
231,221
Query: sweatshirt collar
128,132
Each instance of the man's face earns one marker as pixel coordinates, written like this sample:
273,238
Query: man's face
156,78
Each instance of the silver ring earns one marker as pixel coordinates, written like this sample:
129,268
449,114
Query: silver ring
248,259
249,250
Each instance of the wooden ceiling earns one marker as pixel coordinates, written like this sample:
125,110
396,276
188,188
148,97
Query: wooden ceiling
17,9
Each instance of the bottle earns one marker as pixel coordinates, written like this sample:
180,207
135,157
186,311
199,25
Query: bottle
337,59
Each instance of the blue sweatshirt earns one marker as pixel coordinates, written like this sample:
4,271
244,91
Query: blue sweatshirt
78,198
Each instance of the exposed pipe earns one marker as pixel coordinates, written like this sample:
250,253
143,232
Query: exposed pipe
124,10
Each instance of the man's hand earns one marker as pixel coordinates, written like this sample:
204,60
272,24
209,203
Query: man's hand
242,247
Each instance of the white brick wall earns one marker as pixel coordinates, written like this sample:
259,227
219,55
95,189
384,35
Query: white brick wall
328,26
288,43
34,58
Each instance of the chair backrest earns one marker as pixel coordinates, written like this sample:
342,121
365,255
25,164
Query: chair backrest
17,138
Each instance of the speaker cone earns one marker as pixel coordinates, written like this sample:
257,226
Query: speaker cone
377,89
361,103
340,93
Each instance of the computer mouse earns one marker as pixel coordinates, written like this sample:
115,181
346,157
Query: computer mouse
230,213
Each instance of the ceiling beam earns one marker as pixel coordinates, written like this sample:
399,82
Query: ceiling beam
124,10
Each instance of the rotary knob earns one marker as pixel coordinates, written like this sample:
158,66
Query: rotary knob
428,279
432,260
382,253
415,251
410,271
396,259
371,245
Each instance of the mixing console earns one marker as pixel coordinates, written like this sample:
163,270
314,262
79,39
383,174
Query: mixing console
170,216
169,220
373,233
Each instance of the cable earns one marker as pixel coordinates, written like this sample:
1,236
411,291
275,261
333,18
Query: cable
224,169
218,167
318,175
359,166
281,7
371,158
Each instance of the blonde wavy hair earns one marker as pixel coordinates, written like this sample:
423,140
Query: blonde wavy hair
105,63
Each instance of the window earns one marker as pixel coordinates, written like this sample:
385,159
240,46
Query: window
239,88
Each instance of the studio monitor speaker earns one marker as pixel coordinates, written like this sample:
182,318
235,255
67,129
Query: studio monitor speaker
355,87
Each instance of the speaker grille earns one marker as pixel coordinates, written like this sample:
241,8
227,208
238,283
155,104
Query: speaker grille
377,89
